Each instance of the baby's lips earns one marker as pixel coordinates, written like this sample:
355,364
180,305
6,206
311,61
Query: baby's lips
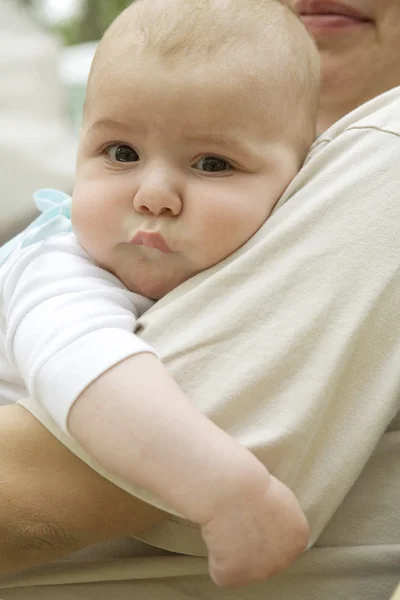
151,240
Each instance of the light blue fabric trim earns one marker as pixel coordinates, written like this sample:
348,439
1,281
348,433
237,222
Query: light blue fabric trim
55,207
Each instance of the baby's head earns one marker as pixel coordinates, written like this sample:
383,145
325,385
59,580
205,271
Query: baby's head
198,115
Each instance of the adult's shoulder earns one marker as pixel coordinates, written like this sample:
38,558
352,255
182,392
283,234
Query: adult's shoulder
348,161
382,113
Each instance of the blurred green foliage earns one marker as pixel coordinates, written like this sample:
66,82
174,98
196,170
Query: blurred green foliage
91,22
94,20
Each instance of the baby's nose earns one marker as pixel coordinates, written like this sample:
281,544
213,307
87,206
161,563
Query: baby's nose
158,195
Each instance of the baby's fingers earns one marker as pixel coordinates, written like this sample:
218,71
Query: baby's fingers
237,574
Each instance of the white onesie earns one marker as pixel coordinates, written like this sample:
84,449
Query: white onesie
63,322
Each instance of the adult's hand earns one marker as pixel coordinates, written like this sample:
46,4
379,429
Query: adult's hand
51,502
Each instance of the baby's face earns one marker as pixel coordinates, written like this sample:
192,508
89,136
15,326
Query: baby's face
176,170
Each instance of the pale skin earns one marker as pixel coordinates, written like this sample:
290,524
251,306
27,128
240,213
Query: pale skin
218,484
150,433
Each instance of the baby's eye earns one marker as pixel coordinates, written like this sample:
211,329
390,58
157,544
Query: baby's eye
212,164
122,153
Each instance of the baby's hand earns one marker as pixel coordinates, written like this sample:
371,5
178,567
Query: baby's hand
257,534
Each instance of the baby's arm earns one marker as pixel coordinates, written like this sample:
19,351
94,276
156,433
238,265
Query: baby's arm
70,331
137,422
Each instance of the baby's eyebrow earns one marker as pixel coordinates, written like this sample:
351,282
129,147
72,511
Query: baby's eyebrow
106,124
222,140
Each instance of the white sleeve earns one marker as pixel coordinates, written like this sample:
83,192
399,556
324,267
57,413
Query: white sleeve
67,321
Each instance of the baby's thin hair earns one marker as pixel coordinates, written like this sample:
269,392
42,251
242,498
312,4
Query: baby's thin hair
175,28
202,27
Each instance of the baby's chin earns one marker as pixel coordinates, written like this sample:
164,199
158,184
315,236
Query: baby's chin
153,285
155,290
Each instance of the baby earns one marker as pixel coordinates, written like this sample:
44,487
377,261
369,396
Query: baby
197,117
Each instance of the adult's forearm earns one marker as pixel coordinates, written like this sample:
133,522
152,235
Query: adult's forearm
51,502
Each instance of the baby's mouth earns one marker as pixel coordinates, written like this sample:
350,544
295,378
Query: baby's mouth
151,240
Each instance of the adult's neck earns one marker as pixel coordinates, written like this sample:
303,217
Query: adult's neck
345,87
341,92
332,109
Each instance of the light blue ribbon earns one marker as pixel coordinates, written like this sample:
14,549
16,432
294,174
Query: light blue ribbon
55,207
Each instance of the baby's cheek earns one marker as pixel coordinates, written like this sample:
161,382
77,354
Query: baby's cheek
80,217
84,223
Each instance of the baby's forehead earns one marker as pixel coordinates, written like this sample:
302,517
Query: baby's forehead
240,69
229,87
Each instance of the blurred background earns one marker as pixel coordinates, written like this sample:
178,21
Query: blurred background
46,49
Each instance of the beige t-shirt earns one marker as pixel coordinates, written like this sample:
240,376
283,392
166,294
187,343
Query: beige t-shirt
292,346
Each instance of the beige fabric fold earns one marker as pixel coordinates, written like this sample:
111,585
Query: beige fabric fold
396,595
292,345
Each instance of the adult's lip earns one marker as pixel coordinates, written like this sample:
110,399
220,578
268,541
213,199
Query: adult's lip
328,14
151,240
327,7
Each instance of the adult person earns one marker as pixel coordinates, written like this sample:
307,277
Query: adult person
359,47
326,300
